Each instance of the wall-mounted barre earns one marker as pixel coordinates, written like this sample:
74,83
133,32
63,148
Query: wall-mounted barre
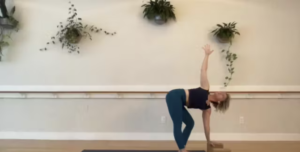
136,95
153,92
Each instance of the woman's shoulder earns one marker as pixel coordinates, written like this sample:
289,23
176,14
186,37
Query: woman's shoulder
198,90
204,89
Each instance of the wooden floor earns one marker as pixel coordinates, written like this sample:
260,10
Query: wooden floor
78,146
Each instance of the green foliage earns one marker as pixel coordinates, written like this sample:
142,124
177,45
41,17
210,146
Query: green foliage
70,34
162,8
230,58
2,44
6,27
7,20
12,20
226,32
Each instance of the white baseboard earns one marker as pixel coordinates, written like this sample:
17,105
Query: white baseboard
147,136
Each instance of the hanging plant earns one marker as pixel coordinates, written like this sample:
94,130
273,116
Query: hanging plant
71,33
159,10
225,34
7,20
7,24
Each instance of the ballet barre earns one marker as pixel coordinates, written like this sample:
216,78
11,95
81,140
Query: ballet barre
136,95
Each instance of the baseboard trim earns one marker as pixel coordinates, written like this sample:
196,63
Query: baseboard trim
147,136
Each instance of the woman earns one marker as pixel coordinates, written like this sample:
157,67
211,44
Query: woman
196,98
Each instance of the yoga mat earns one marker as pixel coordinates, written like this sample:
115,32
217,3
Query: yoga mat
139,151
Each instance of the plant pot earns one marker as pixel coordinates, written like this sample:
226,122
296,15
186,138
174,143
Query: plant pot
159,20
7,23
77,40
73,36
223,40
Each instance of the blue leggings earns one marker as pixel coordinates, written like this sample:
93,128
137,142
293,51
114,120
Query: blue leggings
176,101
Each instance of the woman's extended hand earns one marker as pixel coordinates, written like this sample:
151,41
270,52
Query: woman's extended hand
214,144
207,49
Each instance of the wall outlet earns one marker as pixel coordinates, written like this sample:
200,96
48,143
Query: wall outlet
163,119
241,120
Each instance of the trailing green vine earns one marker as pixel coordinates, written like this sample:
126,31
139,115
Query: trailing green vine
71,33
225,34
230,58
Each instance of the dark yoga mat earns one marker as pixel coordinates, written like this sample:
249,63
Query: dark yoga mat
139,151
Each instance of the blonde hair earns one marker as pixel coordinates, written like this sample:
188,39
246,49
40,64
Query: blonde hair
224,105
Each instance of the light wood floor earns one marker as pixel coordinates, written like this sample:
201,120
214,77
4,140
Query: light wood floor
78,146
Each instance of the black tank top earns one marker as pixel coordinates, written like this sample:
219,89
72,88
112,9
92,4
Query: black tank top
197,98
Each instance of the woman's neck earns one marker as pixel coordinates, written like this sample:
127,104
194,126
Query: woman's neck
212,98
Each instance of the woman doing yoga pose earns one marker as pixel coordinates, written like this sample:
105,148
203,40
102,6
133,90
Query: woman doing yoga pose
195,98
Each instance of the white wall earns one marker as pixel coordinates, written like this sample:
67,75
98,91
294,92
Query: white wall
143,115
149,55
145,54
